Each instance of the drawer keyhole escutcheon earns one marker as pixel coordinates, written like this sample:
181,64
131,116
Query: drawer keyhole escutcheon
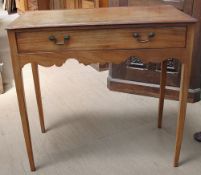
138,37
55,40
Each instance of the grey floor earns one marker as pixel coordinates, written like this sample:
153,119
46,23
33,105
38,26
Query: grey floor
93,131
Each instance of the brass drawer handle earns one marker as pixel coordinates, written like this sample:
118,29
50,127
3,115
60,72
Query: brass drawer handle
54,39
138,37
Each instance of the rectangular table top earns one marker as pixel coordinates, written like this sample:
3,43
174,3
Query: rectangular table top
160,14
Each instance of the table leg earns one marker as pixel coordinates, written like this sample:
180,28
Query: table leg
38,95
163,78
23,112
185,74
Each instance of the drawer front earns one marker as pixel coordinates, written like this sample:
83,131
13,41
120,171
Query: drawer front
125,38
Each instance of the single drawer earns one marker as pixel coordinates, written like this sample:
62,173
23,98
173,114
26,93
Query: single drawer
124,38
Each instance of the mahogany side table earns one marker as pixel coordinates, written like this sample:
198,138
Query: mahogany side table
105,35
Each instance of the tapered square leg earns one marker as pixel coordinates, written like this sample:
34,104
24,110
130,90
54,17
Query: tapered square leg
23,112
38,95
182,110
163,78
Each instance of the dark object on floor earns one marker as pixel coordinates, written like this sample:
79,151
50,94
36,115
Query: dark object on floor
197,136
1,81
140,78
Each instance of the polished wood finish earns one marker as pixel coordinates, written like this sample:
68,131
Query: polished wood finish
38,95
99,20
185,79
163,79
1,84
102,16
104,38
17,70
149,77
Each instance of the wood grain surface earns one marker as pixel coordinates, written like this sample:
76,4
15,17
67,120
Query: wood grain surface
1,84
102,16
110,43
165,37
